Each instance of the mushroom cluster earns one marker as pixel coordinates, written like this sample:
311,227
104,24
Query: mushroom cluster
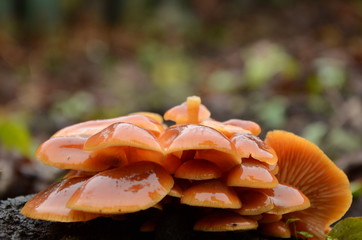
224,170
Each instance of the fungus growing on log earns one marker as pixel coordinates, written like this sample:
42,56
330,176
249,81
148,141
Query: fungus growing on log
233,179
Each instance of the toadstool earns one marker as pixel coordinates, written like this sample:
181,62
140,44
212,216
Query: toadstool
303,165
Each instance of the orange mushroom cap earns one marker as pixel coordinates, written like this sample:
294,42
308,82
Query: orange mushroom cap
269,218
222,221
198,169
211,193
176,191
275,229
122,134
248,145
155,116
78,173
227,130
303,165
179,186
132,188
286,199
251,173
211,144
253,127
67,153
254,202
191,111
88,128
50,204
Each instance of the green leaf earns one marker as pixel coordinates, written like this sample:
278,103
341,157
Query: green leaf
305,234
15,135
356,188
347,229
291,220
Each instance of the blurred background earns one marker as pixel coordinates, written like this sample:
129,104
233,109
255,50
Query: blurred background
292,65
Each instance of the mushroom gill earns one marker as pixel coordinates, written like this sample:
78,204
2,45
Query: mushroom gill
304,166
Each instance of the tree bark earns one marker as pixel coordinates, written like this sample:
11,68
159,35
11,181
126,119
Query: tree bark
172,224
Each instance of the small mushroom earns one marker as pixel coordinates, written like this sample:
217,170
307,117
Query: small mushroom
248,145
209,143
222,221
275,229
211,193
251,126
303,165
191,111
198,169
176,191
132,188
286,199
67,153
179,187
251,173
254,202
50,204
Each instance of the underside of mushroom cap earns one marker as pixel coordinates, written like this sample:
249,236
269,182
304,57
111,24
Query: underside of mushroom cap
132,188
50,204
303,165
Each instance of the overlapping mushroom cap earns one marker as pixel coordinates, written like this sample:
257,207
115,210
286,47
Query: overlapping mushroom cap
135,162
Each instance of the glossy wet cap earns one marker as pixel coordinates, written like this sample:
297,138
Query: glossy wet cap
251,173
248,145
196,137
67,153
198,169
122,134
227,130
303,165
211,193
50,204
251,126
286,199
128,189
254,202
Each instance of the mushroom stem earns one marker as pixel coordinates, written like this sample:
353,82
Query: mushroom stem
193,106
